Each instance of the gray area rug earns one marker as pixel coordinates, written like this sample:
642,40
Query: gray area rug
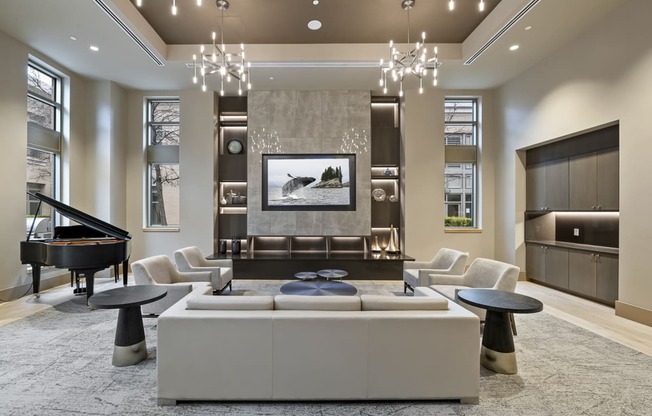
58,362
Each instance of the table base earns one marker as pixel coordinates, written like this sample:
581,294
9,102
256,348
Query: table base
498,362
129,355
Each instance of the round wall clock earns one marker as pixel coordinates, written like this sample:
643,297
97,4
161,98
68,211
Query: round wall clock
234,146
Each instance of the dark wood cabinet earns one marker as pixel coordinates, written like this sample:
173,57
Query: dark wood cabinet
606,276
547,186
594,181
547,264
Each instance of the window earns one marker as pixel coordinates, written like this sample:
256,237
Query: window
163,162
460,171
44,120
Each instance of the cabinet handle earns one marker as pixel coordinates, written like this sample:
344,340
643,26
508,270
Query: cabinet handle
592,258
597,258
593,207
599,207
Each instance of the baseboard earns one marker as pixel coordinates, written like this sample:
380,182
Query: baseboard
634,313
25,289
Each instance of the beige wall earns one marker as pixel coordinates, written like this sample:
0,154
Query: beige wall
601,77
423,176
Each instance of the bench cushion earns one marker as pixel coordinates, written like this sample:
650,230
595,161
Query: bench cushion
402,303
243,303
317,303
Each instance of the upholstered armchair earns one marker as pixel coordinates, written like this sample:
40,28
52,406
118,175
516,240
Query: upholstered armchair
159,270
446,261
482,273
190,259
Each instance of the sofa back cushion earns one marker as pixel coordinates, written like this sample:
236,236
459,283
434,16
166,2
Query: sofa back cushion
402,303
317,303
242,303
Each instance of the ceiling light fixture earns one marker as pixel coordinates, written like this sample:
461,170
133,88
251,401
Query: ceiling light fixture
94,48
481,6
226,65
513,47
315,2
451,5
314,25
174,9
414,62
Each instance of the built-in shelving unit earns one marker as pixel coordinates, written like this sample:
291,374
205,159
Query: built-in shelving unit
385,168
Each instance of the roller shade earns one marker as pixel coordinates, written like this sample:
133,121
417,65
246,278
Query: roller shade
461,154
43,139
163,154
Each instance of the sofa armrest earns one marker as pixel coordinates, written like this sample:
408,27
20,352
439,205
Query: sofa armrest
203,276
445,279
417,264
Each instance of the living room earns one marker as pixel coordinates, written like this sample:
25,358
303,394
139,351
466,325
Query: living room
594,78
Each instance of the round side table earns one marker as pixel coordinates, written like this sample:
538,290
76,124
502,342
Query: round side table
498,353
130,347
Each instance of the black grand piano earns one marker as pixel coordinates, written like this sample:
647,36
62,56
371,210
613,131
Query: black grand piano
83,249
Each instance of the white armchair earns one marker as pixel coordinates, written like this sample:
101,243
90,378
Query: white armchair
446,261
190,259
482,273
159,270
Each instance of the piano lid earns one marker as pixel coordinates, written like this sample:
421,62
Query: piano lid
83,218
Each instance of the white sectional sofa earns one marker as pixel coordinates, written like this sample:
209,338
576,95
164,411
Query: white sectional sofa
317,348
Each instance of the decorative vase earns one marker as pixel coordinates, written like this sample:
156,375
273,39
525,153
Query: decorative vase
392,246
375,246
223,200
235,247
222,247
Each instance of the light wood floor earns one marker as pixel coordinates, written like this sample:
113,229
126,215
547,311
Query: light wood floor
589,315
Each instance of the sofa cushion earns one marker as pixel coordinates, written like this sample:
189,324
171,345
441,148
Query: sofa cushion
402,303
317,303
450,291
243,303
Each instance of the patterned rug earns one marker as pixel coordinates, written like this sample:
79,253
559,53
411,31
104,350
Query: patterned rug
58,362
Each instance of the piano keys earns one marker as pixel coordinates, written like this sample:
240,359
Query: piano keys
84,250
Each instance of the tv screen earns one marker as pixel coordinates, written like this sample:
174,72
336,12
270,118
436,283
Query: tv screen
308,182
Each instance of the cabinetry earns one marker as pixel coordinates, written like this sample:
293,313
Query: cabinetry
232,170
593,274
547,186
547,264
385,168
594,181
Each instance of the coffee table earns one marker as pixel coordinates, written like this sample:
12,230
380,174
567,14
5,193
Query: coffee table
130,347
319,284
498,353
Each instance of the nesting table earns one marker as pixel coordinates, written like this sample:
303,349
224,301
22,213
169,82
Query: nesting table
320,283
130,347
498,353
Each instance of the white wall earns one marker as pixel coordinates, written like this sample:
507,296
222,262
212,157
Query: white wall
196,175
423,176
601,77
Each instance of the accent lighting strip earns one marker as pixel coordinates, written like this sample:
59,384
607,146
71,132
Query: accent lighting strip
502,31
129,32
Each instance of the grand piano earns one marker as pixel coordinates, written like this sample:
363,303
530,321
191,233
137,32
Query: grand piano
83,249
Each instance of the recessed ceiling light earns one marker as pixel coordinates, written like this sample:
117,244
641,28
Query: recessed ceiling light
528,27
513,47
73,38
272,78
315,2
314,25
94,48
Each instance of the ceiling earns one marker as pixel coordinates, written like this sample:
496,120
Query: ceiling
285,54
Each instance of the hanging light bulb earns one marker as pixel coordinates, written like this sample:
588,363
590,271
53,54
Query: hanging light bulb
451,5
174,7
481,5
139,3
198,2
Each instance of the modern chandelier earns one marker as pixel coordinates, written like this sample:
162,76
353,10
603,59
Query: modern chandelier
414,62
227,66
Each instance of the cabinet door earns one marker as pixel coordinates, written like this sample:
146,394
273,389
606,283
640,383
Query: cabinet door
607,180
582,182
535,185
556,185
607,277
557,267
581,272
535,262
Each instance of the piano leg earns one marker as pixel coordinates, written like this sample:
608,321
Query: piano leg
36,279
116,273
90,282
125,272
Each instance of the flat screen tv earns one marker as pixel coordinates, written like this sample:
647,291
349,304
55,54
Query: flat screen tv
308,182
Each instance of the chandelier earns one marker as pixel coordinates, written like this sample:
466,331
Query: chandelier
414,62
227,66
265,142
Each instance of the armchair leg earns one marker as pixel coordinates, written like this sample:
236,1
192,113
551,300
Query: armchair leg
230,285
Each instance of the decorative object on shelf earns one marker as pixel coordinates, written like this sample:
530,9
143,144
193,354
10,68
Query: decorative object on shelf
222,247
264,142
223,200
234,147
230,195
387,172
393,198
378,194
355,141
392,246
375,246
235,245
226,65
413,62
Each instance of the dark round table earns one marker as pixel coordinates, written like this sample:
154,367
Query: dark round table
130,347
498,353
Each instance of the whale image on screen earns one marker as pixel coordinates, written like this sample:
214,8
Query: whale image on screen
316,182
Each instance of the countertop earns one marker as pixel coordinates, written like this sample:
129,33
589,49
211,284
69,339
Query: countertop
575,246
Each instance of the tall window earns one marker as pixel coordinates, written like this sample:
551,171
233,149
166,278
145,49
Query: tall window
163,162
43,139
460,171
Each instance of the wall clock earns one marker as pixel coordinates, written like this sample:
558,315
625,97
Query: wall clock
234,146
